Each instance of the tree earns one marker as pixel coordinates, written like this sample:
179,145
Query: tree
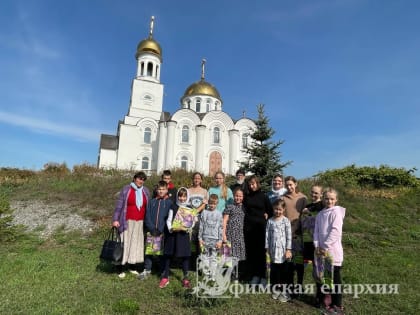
263,153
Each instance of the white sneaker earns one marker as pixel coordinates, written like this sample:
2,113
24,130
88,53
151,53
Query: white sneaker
134,272
284,298
144,274
121,275
275,296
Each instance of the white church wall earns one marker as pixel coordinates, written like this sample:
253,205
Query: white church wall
107,158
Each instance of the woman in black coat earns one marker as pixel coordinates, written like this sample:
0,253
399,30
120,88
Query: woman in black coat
258,209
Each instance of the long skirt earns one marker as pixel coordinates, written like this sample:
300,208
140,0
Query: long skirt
133,239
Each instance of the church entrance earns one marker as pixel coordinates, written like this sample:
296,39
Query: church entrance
215,163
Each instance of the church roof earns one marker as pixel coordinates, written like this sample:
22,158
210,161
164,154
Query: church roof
202,88
109,142
149,45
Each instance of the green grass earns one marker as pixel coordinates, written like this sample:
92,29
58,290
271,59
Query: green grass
63,274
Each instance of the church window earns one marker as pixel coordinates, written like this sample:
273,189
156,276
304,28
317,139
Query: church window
189,104
216,135
185,138
157,71
198,106
184,163
208,105
147,138
142,68
145,163
149,69
244,141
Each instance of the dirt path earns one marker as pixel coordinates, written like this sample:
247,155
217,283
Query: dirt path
46,218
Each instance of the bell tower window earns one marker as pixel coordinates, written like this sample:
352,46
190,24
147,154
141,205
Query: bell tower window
147,137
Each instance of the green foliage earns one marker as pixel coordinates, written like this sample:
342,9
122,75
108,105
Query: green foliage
14,176
264,156
86,169
56,168
8,231
368,176
126,306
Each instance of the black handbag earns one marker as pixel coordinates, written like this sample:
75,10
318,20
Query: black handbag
112,249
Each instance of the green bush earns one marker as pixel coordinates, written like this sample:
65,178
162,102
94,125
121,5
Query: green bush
367,176
14,176
8,231
56,168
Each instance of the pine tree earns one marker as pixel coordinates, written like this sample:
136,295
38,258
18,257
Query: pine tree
263,153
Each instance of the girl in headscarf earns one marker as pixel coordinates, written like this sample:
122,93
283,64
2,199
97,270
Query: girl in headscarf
179,224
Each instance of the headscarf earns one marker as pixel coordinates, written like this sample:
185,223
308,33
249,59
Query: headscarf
139,194
187,202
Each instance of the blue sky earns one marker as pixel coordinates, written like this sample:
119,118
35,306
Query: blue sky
340,80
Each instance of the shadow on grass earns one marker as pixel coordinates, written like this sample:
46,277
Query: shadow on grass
106,267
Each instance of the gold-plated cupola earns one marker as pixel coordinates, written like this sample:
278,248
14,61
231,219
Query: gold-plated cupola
149,45
202,87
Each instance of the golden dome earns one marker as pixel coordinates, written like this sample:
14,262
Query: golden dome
149,45
202,88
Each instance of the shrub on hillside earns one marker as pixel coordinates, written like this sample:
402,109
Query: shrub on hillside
8,231
86,169
367,176
54,168
15,176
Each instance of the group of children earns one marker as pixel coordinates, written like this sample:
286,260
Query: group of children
320,231
172,220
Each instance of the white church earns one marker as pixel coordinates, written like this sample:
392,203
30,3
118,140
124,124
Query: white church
199,136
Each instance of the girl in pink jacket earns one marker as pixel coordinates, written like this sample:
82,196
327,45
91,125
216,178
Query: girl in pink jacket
327,241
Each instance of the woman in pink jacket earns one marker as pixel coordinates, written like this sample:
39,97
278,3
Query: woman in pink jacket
327,242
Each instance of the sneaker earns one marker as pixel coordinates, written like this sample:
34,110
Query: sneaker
255,280
339,310
186,284
144,274
134,272
275,296
284,298
163,283
121,275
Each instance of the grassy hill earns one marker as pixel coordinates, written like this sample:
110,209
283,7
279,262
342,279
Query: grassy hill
62,274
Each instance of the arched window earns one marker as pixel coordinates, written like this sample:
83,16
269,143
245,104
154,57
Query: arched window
198,106
145,163
150,69
142,68
208,105
147,137
189,104
184,163
244,141
216,135
185,138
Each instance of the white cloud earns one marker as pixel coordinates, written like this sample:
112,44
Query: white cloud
80,133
